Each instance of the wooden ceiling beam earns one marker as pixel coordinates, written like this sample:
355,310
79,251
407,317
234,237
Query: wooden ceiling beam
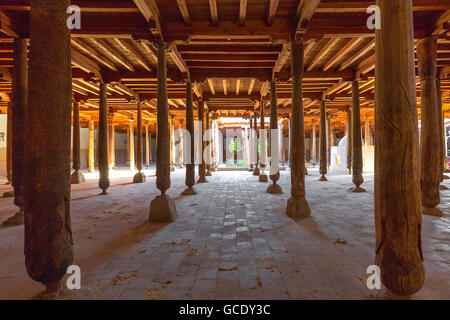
328,46
365,50
184,11
305,12
256,57
234,49
352,43
178,60
110,52
85,64
211,86
250,88
92,53
224,83
151,13
242,12
132,52
214,13
238,86
273,6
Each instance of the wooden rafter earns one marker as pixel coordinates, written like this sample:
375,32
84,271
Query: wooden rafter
178,60
151,13
273,6
357,56
211,86
83,47
184,11
329,45
214,13
352,43
131,51
110,52
242,12
224,82
305,11
250,87
238,86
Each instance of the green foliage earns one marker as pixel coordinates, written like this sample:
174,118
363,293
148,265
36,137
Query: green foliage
235,145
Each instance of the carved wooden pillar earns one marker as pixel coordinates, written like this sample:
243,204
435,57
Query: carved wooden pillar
208,145
91,159
9,144
323,141
262,143
297,206
190,157
201,165
172,143
314,144
274,147
103,181
367,132
17,127
356,140
430,148
162,208
76,177
180,145
349,140
139,177
255,143
48,237
397,176
329,141
443,148
250,142
148,150
111,142
131,144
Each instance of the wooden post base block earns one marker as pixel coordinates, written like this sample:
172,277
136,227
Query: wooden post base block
139,177
323,178
435,212
189,192
162,209
263,178
8,194
172,167
208,174
446,177
15,220
256,172
297,208
77,177
202,180
442,187
274,189
358,190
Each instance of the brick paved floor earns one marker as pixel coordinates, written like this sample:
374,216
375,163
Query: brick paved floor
231,241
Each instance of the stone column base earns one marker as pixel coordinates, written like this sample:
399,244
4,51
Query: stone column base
323,178
139,177
256,171
435,211
263,178
297,208
162,209
77,177
189,192
274,189
15,220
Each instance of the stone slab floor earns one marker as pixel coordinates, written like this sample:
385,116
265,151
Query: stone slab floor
231,241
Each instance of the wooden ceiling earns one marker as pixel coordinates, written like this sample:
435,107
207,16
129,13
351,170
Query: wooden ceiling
230,49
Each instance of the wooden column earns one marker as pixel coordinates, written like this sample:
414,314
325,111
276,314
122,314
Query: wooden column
128,146
148,150
329,141
111,142
103,181
9,144
430,149
357,163
283,145
262,143
349,140
162,208
297,206
398,220
48,236
180,145
139,177
314,144
76,177
17,127
251,146
255,143
91,159
323,141
201,161
274,147
367,132
208,145
443,148
172,143
131,144
190,157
